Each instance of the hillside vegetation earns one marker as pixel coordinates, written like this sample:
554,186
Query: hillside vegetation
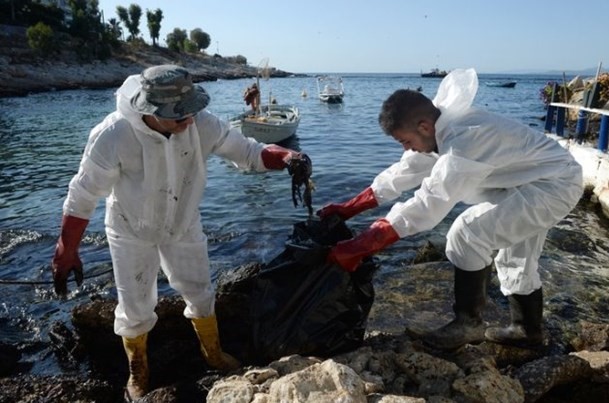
24,70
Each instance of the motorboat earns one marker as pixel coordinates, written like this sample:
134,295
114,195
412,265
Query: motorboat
330,89
271,124
507,84
435,73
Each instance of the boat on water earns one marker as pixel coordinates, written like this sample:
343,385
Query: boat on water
435,73
330,89
272,124
506,84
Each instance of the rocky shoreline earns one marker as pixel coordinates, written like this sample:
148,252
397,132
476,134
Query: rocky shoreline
23,72
572,366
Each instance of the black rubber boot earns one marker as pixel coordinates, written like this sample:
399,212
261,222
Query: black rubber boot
470,299
525,330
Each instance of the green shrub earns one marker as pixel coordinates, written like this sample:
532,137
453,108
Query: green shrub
190,46
545,93
40,37
239,59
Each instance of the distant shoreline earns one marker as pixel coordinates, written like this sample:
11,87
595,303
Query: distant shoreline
22,71
23,79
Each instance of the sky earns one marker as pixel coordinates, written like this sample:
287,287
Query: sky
394,36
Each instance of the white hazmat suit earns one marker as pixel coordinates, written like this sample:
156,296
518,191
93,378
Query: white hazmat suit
519,182
153,187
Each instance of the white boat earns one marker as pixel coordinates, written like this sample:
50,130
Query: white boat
330,89
270,123
273,124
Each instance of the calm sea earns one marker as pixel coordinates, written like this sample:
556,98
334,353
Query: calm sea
247,216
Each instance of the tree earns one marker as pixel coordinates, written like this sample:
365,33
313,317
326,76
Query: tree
201,38
175,40
190,46
86,26
40,37
154,24
114,28
27,13
123,15
85,23
131,19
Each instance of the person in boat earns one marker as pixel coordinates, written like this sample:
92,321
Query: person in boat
251,96
148,158
517,182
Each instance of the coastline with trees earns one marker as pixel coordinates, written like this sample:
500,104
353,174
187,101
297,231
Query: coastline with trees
388,367
44,47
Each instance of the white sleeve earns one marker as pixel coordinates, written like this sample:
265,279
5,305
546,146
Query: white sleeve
243,152
95,179
402,176
452,179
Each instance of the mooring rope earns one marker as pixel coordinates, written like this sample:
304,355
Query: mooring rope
28,282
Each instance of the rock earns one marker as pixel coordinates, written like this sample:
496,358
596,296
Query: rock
429,253
259,376
22,71
57,389
388,367
293,363
489,387
398,399
539,376
233,389
433,375
593,337
598,361
328,381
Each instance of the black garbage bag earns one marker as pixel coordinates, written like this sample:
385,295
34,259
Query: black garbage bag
297,303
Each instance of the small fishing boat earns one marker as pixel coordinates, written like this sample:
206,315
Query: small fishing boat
273,124
435,73
506,84
270,123
330,89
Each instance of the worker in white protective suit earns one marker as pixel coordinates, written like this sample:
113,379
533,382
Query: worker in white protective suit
518,182
149,159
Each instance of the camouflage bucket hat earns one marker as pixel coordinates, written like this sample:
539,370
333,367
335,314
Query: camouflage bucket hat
168,92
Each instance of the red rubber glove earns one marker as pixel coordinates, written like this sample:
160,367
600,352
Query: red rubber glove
66,256
277,157
363,201
349,254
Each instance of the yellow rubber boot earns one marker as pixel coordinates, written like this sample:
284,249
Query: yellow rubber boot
207,331
137,385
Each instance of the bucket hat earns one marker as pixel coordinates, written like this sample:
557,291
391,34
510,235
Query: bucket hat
167,91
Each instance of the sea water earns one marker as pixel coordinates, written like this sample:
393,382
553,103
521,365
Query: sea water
248,216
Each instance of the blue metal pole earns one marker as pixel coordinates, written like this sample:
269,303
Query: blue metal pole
580,128
603,134
549,119
560,122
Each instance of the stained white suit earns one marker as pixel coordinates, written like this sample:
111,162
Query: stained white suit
519,182
153,187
